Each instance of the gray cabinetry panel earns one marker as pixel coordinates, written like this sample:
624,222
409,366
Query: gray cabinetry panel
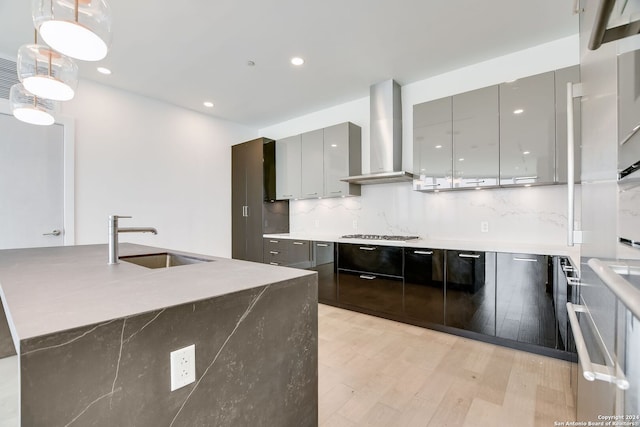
252,175
527,130
342,158
312,170
564,76
628,108
288,168
433,144
476,135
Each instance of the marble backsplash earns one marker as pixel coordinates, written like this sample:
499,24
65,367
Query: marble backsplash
525,215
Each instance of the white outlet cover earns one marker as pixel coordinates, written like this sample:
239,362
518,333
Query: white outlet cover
183,367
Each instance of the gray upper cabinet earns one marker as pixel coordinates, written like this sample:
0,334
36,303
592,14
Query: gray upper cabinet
342,158
564,76
433,145
528,130
288,168
476,136
628,109
312,157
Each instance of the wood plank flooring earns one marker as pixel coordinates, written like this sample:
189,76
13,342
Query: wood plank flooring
375,372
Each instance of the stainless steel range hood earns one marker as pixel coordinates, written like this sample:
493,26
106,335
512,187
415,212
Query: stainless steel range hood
385,137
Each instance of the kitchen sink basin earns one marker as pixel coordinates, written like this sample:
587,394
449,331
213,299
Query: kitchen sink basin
162,260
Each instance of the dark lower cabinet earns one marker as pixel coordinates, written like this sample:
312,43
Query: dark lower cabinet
370,292
370,278
424,285
325,265
470,291
525,308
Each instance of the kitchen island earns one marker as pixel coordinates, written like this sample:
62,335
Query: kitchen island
94,340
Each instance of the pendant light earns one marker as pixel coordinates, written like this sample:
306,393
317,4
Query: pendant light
80,29
46,73
29,108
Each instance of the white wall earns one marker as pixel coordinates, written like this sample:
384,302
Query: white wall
535,215
168,167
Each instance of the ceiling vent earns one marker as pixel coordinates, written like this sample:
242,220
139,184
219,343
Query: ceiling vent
8,77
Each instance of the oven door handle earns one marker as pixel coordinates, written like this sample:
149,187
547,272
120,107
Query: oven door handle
592,371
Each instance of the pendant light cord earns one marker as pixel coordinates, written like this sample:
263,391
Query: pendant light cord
76,10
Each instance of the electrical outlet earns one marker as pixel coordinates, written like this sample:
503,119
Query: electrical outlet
317,223
183,367
484,226
355,224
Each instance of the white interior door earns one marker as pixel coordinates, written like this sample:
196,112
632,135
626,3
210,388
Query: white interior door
32,184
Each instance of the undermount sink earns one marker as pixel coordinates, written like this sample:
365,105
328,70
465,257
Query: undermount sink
162,260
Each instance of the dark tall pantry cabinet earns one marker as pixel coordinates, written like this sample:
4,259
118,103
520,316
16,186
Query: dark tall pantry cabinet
254,210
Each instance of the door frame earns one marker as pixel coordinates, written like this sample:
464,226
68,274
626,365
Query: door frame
69,236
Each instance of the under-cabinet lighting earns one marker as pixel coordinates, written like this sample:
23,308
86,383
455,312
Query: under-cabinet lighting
297,61
438,146
104,70
526,152
208,104
518,111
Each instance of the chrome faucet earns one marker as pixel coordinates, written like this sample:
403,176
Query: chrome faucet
114,230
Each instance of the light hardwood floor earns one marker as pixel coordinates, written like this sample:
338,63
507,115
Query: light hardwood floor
377,372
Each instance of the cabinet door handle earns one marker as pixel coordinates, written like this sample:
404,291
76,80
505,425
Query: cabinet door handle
573,281
481,181
365,248
592,371
274,241
423,252
336,192
429,185
322,245
571,185
367,277
566,268
274,252
476,256
298,243
522,178
287,195
515,258
312,194
274,263
245,211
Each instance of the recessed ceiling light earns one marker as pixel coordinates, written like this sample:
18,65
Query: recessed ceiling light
438,146
334,145
526,152
297,61
518,111
103,70
208,104
461,159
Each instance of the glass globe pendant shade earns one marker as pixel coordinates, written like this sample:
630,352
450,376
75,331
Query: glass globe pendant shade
46,73
29,108
80,29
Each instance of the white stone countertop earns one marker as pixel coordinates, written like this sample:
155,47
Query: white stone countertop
46,290
485,246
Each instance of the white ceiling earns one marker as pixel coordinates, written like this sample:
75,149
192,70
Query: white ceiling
186,52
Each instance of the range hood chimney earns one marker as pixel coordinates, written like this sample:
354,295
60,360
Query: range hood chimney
385,137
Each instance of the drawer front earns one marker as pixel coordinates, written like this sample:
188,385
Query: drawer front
299,252
274,256
323,253
385,260
279,245
367,291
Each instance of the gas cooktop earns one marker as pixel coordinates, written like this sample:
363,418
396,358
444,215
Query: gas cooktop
379,237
